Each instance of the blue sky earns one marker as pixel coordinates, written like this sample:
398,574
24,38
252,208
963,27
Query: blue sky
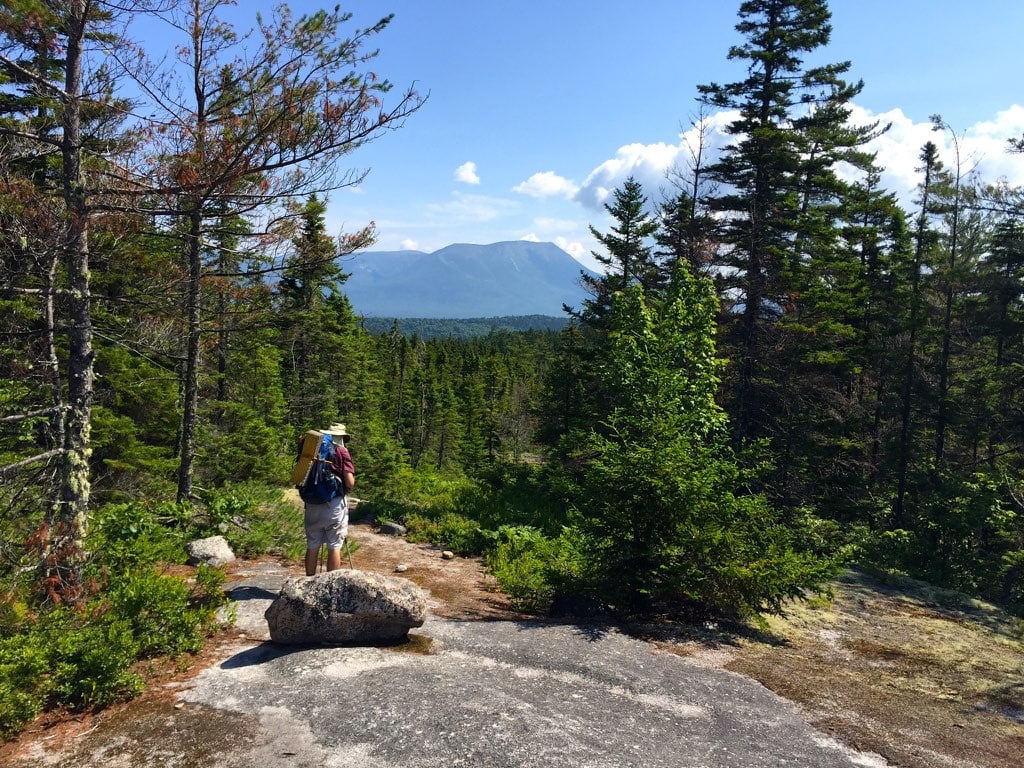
538,109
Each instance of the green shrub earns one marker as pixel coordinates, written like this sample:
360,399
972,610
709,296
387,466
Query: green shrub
134,534
24,681
160,609
451,531
532,568
91,665
429,489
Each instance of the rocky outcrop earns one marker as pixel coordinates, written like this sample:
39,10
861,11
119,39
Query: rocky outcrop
346,606
213,550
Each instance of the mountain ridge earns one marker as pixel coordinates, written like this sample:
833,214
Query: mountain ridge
465,280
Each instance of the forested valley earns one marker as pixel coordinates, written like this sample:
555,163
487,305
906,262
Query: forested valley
782,371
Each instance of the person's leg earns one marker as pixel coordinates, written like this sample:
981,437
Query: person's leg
314,536
333,559
335,532
311,557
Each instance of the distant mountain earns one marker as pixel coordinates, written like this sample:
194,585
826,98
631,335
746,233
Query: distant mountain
460,281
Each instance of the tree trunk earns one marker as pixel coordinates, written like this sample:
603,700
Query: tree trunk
68,538
190,390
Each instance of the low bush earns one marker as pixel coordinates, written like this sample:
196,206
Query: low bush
25,681
84,658
451,531
533,568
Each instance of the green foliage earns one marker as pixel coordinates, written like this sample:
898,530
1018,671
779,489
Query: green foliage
964,536
533,568
130,535
163,614
462,328
663,507
86,658
91,664
24,682
449,530
133,423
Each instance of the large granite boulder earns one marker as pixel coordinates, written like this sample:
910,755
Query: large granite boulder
346,606
213,550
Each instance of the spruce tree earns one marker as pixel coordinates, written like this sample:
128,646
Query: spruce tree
628,259
780,182
656,492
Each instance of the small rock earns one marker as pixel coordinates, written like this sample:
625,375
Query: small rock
401,568
393,529
447,555
213,550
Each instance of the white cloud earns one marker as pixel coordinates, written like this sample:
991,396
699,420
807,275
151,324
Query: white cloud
546,184
574,248
410,245
647,163
982,148
466,173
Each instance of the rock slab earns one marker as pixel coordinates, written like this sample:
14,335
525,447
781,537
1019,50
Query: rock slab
346,606
213,550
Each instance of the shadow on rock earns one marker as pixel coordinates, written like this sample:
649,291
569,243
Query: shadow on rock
247,592
261,654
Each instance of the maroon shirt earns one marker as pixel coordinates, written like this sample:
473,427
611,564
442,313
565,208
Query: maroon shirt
342,462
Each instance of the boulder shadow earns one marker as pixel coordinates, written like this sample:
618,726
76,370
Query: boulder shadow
250,592
261,654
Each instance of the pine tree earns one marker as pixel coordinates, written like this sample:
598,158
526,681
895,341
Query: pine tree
791,133
629,258
58,115
260,127
656,491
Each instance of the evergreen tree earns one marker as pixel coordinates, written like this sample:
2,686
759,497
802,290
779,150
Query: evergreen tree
58,113
779,171
311,330
925,242
629,259
259,128
657,493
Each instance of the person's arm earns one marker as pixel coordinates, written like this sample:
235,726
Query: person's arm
343,467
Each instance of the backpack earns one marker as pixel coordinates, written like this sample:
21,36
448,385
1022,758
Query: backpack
321,484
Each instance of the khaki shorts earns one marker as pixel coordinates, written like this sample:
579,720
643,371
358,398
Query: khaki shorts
326,523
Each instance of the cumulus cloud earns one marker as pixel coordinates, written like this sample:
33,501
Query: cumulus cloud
647,163
410,245
574,248
651,163
466,173
982,148
546,184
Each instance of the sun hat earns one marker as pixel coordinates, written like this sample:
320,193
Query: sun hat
337,429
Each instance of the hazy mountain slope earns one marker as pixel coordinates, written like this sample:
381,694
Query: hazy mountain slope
459,281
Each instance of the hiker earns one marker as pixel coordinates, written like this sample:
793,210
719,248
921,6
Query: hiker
328,523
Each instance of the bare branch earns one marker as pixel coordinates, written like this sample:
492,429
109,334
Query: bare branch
10,468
